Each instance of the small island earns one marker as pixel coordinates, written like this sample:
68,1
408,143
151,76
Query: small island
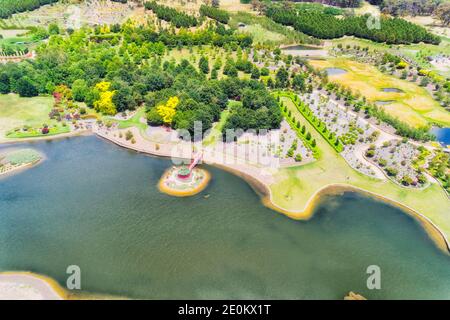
182,181
18,159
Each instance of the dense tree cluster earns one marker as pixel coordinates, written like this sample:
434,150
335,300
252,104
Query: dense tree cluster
116,68
259,109
203,100
215,13
327,26
177,18
9,7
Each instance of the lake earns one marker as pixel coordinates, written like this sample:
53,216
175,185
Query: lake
95,205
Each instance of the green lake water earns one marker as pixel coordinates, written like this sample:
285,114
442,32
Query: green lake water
95,205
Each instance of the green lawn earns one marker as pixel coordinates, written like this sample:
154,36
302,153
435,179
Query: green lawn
18,112
295,186
135,121
37,132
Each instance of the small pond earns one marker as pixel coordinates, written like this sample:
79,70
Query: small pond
383,102
300,47
335,71
392,90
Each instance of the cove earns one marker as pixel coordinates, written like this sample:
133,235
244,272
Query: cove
95,205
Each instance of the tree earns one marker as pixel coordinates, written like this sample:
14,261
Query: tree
298,82
167,111
5,86
214,74
204,65
53,29
282,78
26,88
255,73
79,90
105,103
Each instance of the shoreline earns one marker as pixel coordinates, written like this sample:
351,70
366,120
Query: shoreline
23,167
264,191
24,285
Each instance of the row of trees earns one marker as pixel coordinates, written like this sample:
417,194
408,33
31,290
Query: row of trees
215,13
327,26
9,7
177,18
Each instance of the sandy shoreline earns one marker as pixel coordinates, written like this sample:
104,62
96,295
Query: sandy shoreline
29,286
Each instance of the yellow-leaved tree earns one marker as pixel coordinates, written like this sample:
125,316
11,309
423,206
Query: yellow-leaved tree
105,104
167,111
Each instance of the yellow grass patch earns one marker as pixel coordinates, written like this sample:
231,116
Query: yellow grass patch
414,105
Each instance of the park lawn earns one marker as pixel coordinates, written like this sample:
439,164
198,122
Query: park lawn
266,31
262,35
295,186
134,121
37,132
18,112
414,105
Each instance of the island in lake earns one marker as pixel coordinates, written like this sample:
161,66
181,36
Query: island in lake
222,151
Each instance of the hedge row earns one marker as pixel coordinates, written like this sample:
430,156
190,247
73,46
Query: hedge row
295,125
314,121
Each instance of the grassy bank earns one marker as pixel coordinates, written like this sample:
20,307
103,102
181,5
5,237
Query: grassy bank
18,112
296,186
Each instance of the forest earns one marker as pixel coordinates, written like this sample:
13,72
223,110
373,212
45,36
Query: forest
177,18
327,26
9,7
120,68
214,13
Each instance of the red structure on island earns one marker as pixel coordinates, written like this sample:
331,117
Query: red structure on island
185,172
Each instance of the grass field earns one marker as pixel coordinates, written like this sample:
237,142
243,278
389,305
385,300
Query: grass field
295,186
134,121
16,112
37,132
266,31
414,105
